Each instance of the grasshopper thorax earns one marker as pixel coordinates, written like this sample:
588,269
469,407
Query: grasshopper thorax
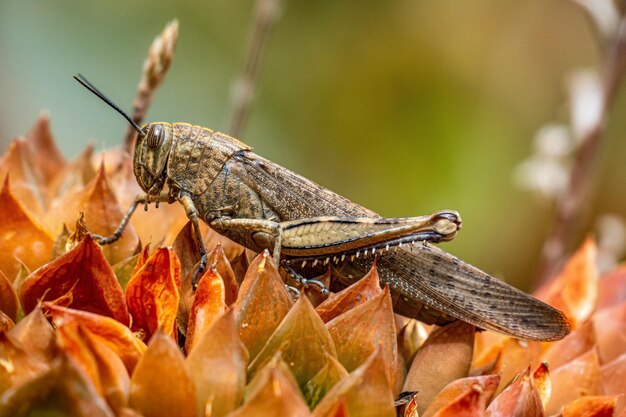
152,150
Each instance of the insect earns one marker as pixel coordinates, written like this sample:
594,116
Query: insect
261,205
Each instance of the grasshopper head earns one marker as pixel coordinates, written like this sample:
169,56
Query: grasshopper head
151,152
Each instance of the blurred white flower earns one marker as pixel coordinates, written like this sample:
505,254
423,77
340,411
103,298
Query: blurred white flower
586,102
553,140
546,172
611,241
604,14
545,176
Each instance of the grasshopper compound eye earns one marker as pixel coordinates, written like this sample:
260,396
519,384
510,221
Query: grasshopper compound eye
155,136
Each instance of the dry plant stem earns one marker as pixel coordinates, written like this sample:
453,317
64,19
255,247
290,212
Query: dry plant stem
265,16
158,61
569,207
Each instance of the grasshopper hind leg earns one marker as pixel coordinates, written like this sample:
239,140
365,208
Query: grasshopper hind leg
306,282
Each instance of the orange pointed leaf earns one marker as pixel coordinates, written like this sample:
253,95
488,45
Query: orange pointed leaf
516,355
35,333
263,302
275,396
21,237
366,391
83,277
302,340
575,289
64,390
152,294
613,376
105,330
469,404
218,367
520,399
318,386
361,291
9,303
487,384
102,216
161,384
445,356
26,186
573,380
610,328
208,305
46,159
358,332
592,406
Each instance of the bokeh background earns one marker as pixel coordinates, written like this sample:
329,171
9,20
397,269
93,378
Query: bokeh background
403,106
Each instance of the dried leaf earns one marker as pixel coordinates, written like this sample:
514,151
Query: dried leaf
445,356
84,277
303,342
21,237
573,380
161,385
275,396
358,293
105,330
208,305
575,289
487,384
36,335
361,330
520,399
262,304
591,407
366,391
218,367
153,292
9,303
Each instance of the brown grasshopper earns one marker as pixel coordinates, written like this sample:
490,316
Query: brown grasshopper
261,205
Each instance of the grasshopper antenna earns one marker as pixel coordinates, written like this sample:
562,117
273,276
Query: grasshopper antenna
85,83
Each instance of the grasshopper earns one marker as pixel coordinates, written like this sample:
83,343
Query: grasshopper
261,205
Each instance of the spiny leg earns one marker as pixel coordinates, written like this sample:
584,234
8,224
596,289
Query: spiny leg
140,199
305,282
192,214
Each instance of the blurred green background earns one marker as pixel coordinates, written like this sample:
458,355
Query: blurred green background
406,107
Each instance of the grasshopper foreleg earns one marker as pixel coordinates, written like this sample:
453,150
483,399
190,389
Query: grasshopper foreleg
140,199
192,215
